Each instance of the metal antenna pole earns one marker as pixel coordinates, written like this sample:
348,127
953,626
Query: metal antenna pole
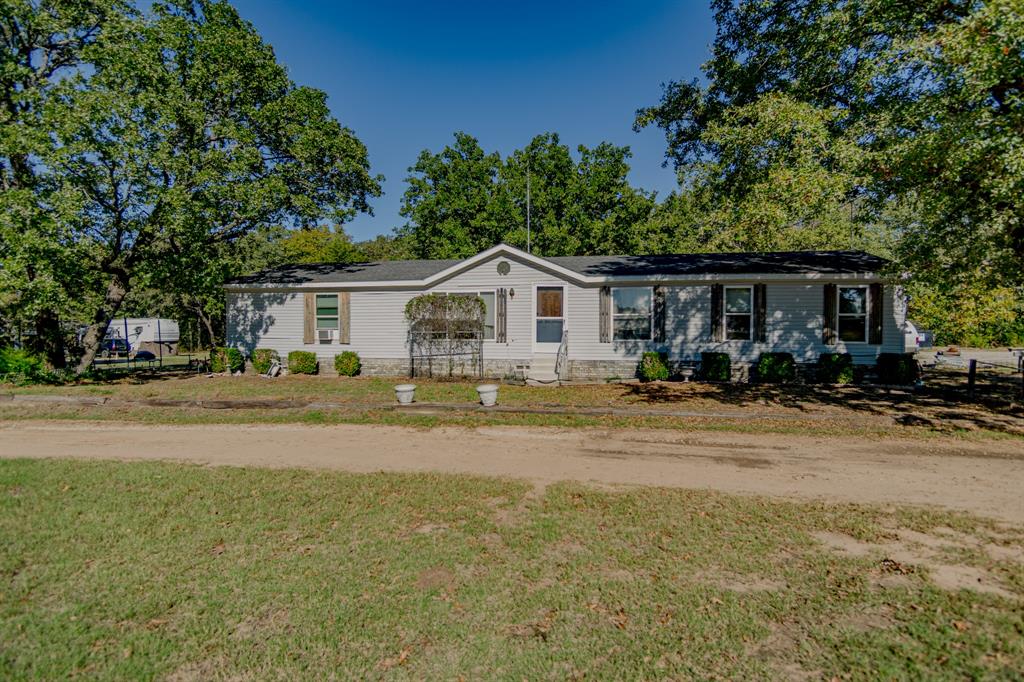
528,205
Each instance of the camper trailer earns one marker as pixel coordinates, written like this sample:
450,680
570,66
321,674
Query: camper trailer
158,335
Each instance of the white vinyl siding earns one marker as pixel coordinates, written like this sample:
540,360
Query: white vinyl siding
274,319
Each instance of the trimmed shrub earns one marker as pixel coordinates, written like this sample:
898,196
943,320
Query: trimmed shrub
18,366
776,368
302,362
715,367
896,368
347,364
835,368
653,367
263,358
226,360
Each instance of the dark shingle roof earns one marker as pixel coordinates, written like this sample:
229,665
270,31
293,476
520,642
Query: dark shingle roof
380,271
778,262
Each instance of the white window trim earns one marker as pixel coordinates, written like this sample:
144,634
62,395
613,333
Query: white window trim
726,313
336,317
494,309
650,314
536,345
866,315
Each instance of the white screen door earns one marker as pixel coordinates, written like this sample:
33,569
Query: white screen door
549,318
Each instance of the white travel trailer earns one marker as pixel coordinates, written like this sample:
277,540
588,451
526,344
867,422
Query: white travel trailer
158,335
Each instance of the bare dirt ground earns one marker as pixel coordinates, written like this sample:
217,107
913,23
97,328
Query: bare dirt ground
983,477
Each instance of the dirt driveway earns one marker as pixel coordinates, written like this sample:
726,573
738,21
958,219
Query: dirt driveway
984,477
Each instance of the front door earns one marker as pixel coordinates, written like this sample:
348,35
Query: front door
549,318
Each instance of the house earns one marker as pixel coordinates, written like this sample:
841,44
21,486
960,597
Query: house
602,312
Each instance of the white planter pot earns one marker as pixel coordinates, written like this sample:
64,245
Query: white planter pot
404,393
488,394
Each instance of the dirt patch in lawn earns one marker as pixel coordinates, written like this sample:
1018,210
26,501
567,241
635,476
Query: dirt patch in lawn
913,550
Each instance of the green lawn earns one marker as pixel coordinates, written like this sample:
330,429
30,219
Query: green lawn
133,571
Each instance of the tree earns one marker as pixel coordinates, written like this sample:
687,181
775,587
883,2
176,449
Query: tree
318,245
930,92
463,200
186,134
451,201
779,180
42,43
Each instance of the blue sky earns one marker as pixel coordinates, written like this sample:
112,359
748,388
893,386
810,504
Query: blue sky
406,75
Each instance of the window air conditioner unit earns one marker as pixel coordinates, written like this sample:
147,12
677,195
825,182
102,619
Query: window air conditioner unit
327,335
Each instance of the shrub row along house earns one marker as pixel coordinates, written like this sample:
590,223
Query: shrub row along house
581,317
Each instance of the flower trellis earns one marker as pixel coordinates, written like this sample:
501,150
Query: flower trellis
446,333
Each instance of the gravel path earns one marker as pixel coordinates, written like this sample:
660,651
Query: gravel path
983,477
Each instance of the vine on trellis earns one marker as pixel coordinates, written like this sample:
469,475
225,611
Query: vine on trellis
446,334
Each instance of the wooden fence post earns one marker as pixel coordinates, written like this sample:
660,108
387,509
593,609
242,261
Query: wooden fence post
972,373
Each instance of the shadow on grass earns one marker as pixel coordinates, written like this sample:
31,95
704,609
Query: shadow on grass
942,402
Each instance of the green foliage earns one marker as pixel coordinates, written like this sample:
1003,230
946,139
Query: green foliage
319,245
974,313
715,367
463,200
263,358
896,368
226,360
441,312
653,367
302,362
829,123
347,364
230,146
19,366
775,368
835,368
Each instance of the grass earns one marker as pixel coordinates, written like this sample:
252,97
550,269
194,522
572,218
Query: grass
127,571
805,408
478,418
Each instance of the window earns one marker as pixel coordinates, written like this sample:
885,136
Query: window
853,314
488,297
632,308
739,307
327,311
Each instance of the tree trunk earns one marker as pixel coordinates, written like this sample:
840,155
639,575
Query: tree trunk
207,322
117,289
49,340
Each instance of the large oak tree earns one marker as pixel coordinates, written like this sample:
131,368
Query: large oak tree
181,134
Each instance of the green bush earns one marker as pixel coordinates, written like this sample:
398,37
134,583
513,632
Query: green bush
18,366
347,364
302,362
263,358
715,367
226,360
653,367
835,368
896,368
776,368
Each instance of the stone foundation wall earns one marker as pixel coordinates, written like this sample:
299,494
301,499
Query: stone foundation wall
599,370
394,367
